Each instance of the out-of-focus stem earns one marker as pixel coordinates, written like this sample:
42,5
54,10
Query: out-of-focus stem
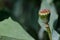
1,4
49,31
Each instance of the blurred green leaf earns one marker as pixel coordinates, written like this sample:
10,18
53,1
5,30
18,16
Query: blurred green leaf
12,29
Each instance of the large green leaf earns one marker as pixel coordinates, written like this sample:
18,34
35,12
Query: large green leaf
10,29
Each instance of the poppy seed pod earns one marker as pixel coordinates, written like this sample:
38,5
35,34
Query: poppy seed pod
44,14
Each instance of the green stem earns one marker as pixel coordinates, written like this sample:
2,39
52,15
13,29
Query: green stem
49,32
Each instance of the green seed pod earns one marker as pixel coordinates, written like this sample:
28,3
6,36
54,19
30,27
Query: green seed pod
44,15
